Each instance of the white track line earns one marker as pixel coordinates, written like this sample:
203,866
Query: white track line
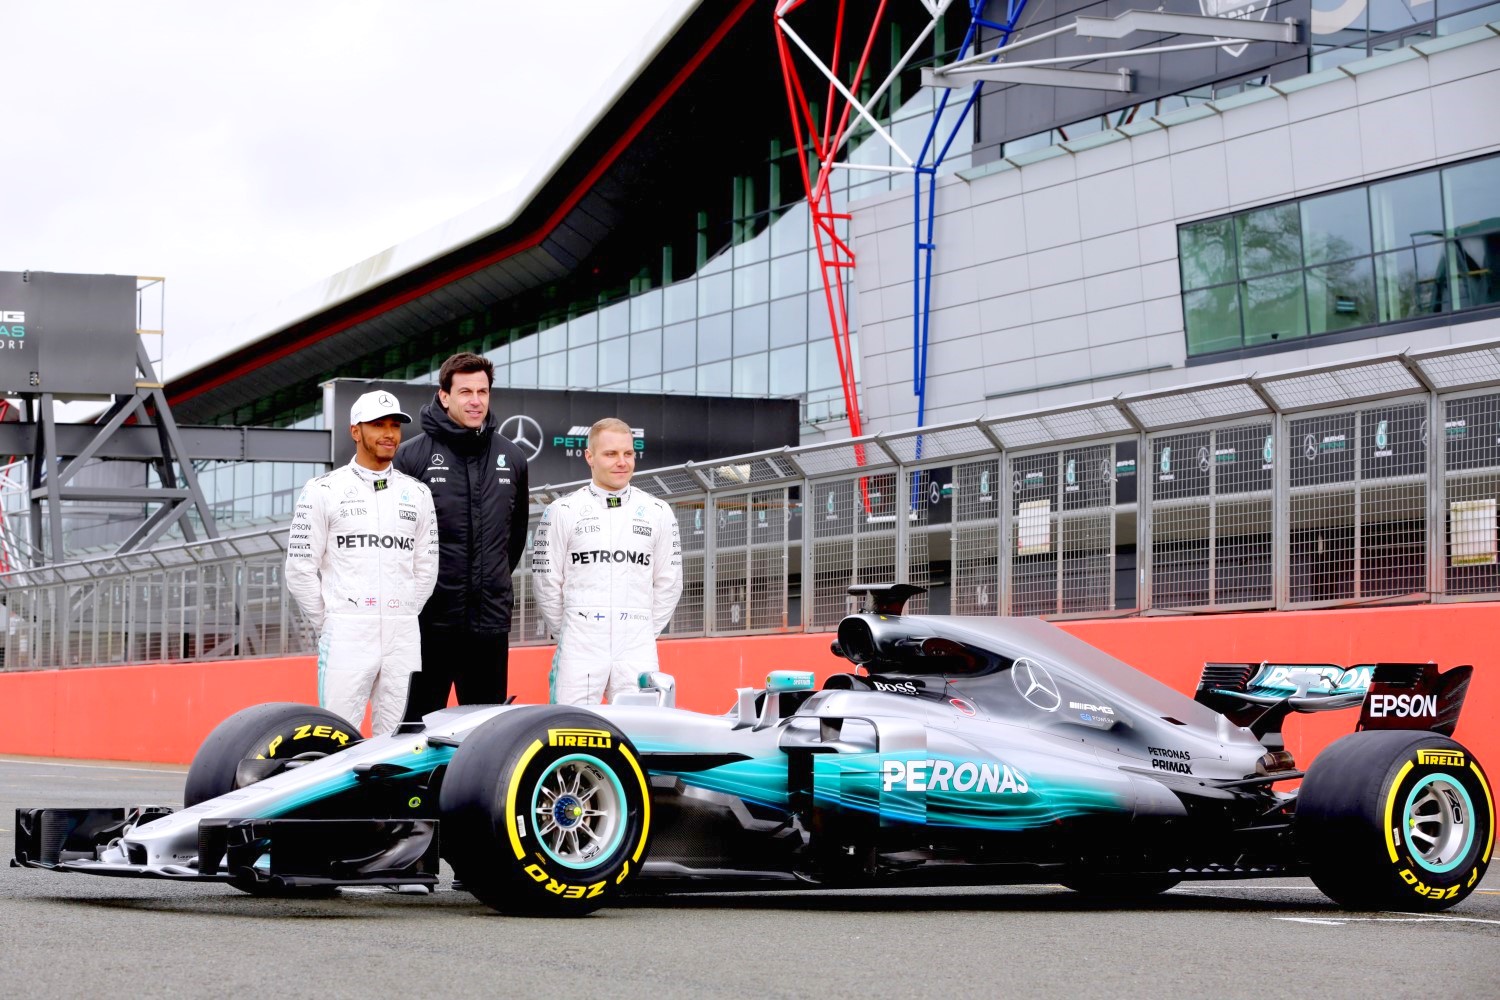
1227,886
1391,920
163,769
1310,920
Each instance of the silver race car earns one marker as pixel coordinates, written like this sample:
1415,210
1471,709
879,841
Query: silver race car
955,751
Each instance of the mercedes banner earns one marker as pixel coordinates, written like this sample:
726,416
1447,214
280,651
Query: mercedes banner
551,426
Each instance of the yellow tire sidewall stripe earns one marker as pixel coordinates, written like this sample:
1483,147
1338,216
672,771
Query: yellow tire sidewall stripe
1390,808
645,801
510,798
1490,799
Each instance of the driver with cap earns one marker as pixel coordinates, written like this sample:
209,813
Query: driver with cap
362,559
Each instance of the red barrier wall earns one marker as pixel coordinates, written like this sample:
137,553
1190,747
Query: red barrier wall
161,712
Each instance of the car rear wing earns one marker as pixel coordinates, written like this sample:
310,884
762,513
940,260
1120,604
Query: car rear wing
1259,696
1416,696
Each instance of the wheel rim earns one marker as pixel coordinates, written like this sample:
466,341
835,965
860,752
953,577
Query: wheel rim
578,811
1439,827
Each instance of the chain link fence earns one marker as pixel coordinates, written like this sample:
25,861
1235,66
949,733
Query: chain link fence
1362,482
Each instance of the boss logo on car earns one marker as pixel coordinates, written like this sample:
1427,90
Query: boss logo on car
1403,706
936,775
1440,758
905,687
599,738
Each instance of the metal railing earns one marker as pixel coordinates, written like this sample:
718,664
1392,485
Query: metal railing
1373,480
208,600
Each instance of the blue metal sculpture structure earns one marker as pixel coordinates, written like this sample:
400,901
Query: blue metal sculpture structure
922,236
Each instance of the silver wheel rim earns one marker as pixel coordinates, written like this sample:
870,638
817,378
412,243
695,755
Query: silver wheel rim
1437,823
578,812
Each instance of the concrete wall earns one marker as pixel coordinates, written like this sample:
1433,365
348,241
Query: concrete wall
161,712
1062,265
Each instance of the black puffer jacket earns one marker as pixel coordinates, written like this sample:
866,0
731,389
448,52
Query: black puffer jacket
479,487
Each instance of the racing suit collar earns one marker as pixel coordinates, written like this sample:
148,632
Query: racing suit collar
370,475
602,495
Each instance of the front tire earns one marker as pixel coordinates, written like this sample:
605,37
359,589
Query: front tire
545,811
1396,820
261,732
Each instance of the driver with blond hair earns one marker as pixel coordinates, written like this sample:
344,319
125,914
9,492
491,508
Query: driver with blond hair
606,568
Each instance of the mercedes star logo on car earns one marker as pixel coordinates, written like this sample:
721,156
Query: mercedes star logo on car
1035,684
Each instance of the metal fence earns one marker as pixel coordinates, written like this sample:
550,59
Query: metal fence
1366,481
198,601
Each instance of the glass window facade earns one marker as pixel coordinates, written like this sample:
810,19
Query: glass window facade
1401,249
750,319
1384,25
243,493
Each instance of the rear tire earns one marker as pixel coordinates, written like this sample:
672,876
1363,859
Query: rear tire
545,811
1396,820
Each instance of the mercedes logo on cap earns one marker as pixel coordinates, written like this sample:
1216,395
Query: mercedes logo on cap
1035,684
525,433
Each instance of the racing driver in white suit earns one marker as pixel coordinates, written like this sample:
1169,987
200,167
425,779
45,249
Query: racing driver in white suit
362,559
606,567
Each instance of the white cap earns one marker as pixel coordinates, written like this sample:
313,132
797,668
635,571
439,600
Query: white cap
374,405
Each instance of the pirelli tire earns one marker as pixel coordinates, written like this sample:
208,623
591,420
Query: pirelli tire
546,811
1396,821
276,729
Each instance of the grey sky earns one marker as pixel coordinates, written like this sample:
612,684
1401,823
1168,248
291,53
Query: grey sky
245,151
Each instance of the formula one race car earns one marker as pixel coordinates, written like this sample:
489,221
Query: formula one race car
958,751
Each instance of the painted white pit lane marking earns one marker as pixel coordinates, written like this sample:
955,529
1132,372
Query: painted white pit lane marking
1391,920
1310,920
164,769
1223,887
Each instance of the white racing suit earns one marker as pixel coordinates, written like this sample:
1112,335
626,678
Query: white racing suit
607,571
361,560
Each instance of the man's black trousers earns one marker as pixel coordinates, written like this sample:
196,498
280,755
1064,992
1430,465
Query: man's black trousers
456,658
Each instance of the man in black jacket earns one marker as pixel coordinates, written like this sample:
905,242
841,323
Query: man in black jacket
479,489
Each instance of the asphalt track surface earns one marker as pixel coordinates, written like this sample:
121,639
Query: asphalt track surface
76,935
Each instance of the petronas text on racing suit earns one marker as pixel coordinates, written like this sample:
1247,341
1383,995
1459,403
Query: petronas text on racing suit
607,571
